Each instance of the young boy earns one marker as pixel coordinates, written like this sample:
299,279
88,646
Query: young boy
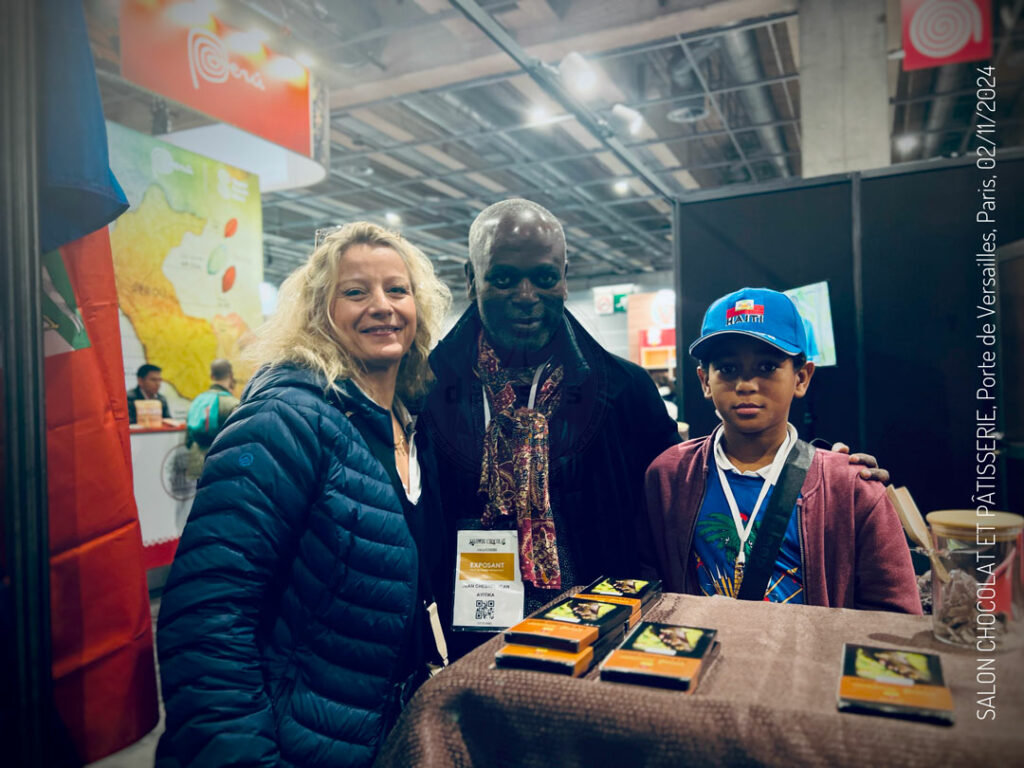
843,544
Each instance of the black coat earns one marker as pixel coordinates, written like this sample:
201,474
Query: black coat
610,425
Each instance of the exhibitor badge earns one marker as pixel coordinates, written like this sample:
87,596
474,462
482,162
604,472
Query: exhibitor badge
489,592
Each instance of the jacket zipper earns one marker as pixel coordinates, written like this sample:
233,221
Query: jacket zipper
800,538
693,530
393,704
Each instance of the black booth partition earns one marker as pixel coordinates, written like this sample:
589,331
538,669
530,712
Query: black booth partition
898,250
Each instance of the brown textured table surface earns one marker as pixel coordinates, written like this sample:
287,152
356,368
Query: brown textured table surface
769,700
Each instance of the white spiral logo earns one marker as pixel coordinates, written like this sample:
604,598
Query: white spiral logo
207,57
940,28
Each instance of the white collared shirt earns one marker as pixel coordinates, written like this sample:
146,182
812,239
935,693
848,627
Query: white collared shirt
763,472
408,423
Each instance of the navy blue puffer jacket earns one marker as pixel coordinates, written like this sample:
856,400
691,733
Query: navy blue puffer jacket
285,624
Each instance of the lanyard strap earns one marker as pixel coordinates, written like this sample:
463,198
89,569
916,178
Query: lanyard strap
530,403
743,531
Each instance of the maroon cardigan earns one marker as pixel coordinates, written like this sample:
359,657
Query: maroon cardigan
855,554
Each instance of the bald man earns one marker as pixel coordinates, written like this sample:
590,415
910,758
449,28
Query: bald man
539,430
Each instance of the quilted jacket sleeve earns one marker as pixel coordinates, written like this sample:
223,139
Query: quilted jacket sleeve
260,478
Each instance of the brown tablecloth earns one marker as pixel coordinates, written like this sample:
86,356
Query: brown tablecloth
769,700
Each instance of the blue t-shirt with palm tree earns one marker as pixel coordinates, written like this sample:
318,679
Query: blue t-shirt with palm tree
716,542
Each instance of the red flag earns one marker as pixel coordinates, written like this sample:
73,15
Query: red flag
937,32
103,670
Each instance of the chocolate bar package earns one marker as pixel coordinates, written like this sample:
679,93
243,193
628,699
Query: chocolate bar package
570,625
541,659
894,682
663,655
639,595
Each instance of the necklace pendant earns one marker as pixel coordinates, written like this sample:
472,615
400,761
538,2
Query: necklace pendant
737,576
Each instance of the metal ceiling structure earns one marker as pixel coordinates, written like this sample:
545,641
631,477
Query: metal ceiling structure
431,120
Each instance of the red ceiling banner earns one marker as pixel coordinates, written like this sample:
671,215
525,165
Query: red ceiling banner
179,49
937,32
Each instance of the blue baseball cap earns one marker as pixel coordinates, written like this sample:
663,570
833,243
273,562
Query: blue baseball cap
761,313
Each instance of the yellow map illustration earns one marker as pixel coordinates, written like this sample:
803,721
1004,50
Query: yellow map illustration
188,258
182,346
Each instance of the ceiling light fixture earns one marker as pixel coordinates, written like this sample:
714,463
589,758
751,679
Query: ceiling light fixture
629,117
392,218
540,115
691,112
358,170
621,187
907,143
578,75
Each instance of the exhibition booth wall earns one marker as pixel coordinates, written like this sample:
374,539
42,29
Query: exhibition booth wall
899,252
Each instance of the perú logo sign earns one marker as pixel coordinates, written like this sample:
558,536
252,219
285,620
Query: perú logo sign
208,60
942,27
944,31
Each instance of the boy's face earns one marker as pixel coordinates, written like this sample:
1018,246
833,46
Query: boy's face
752,383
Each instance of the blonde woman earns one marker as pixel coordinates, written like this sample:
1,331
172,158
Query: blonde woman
294,624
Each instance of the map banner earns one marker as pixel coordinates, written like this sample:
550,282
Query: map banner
188,260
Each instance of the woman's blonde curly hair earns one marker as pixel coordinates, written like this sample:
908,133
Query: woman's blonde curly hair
301,330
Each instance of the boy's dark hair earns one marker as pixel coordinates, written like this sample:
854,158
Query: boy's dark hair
713,350
147,368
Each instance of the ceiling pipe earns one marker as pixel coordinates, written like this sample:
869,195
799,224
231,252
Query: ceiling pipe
947,79
743,60
552,84
461,108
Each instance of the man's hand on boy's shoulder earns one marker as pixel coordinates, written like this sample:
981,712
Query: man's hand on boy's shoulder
871,470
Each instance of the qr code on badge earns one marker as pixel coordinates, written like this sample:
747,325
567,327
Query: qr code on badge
484,610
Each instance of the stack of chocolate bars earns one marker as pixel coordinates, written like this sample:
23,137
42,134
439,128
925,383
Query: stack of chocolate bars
571,636
639,595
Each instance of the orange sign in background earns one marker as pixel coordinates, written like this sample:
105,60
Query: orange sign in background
179,50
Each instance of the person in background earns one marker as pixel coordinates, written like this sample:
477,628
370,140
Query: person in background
709,500
148,388
295,622
207,414
665,382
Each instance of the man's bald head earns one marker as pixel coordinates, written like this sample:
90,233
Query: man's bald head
504,213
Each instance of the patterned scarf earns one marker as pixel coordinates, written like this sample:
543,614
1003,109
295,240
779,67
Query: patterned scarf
514,470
